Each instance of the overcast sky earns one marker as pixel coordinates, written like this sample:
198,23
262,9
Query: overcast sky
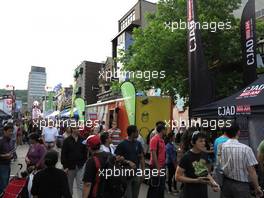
56,34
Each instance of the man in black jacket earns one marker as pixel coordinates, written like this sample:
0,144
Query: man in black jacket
73,158
50,182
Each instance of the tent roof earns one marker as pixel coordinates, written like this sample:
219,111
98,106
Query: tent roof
67,112
249,100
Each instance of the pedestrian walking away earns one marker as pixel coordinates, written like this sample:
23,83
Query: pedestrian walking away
50,182
132,151
91,183
73,158
238,162
157,163
171,162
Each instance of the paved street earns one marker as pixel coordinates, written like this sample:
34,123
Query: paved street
21,152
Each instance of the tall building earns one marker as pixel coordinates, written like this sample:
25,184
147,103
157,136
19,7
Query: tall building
134,18
36,85
86,76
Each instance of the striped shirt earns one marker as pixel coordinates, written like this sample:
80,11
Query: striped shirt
235,159
115,135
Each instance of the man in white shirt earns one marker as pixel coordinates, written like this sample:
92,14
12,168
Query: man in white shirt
50,134
237,161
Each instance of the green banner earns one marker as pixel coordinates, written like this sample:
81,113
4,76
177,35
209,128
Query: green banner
129,95
73,98
50,101
80,105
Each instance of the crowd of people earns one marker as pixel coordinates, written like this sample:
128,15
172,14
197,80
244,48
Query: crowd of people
102,164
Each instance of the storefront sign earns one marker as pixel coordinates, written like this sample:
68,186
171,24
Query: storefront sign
227,111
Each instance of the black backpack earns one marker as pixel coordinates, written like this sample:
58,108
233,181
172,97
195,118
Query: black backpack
112,186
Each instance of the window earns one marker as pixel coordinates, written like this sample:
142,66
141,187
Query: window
121,39
133,15
260,13
127,21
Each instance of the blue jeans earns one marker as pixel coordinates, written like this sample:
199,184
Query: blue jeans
4,176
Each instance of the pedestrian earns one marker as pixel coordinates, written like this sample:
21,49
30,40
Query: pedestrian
36,153
49,135
19,133
50,182
14,139
238,163
99,158
260,157
193,170
107,145
261,154
102,127
25,131
154,131
217,169
133,153
157,164
6,154
143,144
115,134
220,140
73,158
171,162
67,132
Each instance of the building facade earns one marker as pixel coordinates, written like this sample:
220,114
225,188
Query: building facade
36,85
107,75
260,14
86,77
259,5
134,18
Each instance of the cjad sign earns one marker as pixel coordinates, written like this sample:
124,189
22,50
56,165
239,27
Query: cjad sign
227,111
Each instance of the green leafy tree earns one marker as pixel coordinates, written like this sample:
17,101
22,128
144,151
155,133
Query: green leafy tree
158,48
260,29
